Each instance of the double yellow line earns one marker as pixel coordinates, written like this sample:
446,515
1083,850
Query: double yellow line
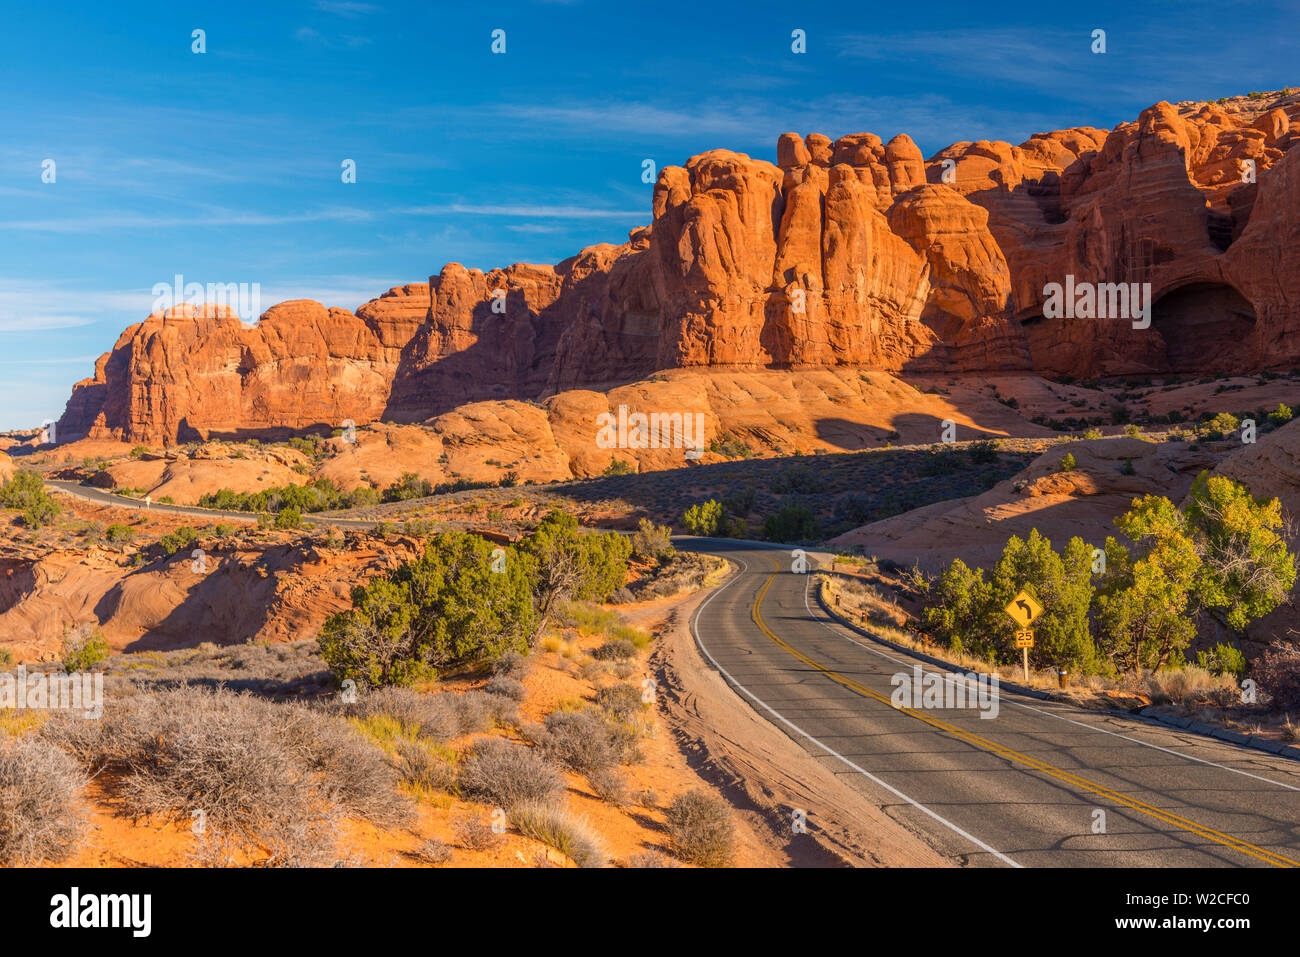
1218,837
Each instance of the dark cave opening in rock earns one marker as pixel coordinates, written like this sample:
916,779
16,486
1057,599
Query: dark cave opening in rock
1206,327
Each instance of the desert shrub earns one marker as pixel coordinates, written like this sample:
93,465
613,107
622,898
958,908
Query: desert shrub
505,774
83,648
741,502
703,519
983,453
614,650
571,565
41,814
511,665
25,491
567,833
119,534
506,687
473,833
855,508
792,523
651,542
650,858
619,467
620,700
435,851
269,778
700,829
407,487
1067,462
348,771
502,710
608,784
6,658
288,518
1278,673
180,538
1218,426
1128,467
445,609
799,481
1281,415
422,766
728,446
1223,659
941,460
416,714
578,740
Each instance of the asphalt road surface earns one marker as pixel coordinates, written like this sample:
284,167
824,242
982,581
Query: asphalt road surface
1022,788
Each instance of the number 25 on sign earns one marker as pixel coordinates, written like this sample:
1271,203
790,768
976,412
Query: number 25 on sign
1024,609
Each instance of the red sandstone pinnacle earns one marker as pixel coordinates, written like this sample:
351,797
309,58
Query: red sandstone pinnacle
854,251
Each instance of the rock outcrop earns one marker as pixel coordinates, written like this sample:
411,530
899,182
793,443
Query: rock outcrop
849,252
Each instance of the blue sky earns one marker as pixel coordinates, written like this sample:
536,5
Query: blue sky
225,166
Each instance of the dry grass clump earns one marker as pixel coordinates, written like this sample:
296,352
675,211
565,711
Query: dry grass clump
506,687
439,717
474,834
426,766
559,828
506,774
42,817
650,858
593,742
264,781
700,829
577,740
1193,684
435,852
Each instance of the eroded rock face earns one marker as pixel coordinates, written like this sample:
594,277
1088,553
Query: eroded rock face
848,252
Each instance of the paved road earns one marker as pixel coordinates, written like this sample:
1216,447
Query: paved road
1018,789
101,497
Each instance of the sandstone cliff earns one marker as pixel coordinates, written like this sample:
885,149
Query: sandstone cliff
848,252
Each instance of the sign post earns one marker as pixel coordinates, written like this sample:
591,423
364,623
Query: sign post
1025,641
1024,610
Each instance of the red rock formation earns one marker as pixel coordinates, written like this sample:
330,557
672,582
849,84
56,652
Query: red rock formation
846,252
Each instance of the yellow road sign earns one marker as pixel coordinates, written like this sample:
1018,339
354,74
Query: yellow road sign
1024,638
1024,609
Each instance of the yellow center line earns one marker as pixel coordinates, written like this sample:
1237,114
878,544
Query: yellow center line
978,741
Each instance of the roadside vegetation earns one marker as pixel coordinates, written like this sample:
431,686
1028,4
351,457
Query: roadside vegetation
25,492
1132,604
465,602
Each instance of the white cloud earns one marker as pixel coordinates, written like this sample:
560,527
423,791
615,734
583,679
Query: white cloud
346,8
90,224
526,210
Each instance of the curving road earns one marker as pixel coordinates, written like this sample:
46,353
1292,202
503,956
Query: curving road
1018,789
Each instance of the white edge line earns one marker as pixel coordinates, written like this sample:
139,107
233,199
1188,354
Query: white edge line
790,724
827,624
